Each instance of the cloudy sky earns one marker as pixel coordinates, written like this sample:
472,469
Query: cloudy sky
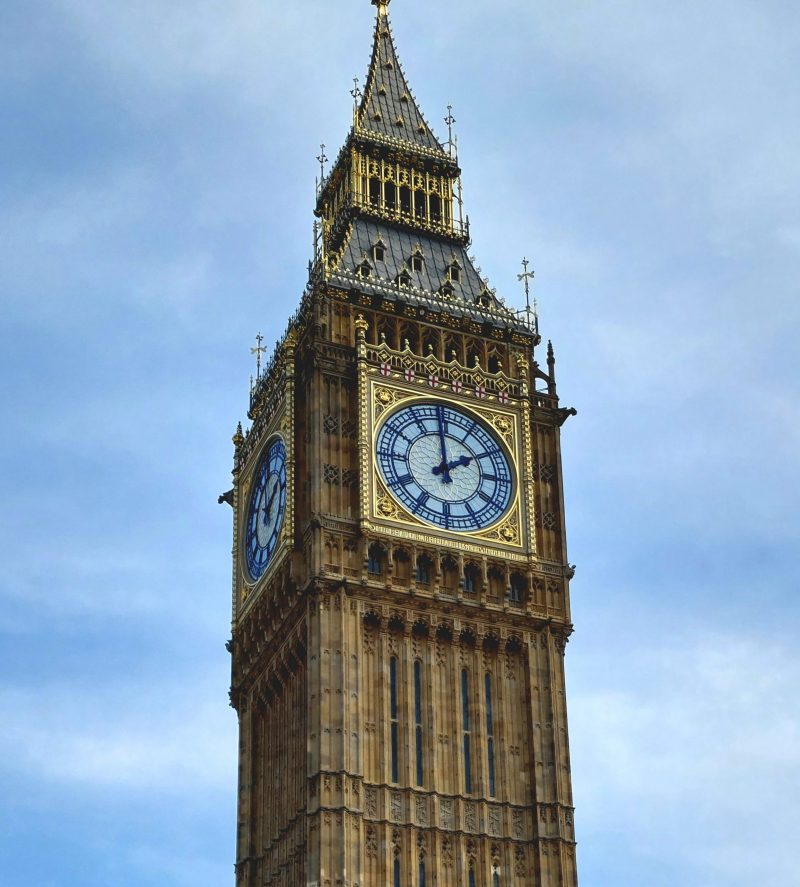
156,188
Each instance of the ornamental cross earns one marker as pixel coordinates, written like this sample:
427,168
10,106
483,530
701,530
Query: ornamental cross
322,160
450,120
258,351
527,277
355,92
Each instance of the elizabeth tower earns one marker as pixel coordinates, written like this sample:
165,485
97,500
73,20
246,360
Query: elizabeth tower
401,602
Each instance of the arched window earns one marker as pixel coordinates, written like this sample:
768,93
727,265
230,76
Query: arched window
375,560
405,200
496,584
430,344
421,878
436,208
402,566
375,192
393,718
390,195
386,332
409,334
449,574
471,577
489,733
516,592
396,877
420,207
465,725
418,721
424,570
471,877
495,879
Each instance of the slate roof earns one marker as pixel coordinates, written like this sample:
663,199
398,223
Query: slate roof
388,106
469,293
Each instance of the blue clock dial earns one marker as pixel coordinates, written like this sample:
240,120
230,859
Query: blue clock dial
266,510
445,466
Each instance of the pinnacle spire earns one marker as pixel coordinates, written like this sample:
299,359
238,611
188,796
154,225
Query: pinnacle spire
388,108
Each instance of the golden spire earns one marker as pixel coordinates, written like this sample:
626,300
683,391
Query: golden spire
383,6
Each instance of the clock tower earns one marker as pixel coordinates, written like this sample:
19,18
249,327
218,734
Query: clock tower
400,576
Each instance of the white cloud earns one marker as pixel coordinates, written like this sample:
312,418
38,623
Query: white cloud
688,744
175,737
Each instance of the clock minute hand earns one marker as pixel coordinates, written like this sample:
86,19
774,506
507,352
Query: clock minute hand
443,467
268,509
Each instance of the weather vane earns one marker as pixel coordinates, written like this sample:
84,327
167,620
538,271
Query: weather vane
322,160
527,277
258,351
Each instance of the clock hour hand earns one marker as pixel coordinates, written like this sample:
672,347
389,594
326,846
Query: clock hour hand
462,461
443,467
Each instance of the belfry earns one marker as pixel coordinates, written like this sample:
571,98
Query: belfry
400,575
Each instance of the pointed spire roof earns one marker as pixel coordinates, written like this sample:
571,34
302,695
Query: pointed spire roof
388,107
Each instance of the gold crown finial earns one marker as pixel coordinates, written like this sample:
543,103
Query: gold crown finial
383,6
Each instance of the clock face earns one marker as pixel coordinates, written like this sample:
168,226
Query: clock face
267,506
445,466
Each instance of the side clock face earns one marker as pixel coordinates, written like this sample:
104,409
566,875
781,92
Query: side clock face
266,509
445,466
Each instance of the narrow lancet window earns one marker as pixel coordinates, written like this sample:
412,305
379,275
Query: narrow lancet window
393,717
436,208
490,735
397,872
472,877
421,878
374,561
375,192
418,721
495,879
390,195
467,733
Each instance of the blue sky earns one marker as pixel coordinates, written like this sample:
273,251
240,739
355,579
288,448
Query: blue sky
156,188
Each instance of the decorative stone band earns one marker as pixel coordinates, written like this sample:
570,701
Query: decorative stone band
430,372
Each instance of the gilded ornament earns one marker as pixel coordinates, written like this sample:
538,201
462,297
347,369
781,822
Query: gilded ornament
508,533
503,425
386,507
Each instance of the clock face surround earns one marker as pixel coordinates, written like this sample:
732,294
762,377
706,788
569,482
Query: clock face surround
266,509
445,466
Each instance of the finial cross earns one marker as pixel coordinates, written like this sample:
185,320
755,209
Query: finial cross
527,277
450,120
258,351
355,92
322,160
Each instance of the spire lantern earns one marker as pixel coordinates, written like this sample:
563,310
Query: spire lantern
395,188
